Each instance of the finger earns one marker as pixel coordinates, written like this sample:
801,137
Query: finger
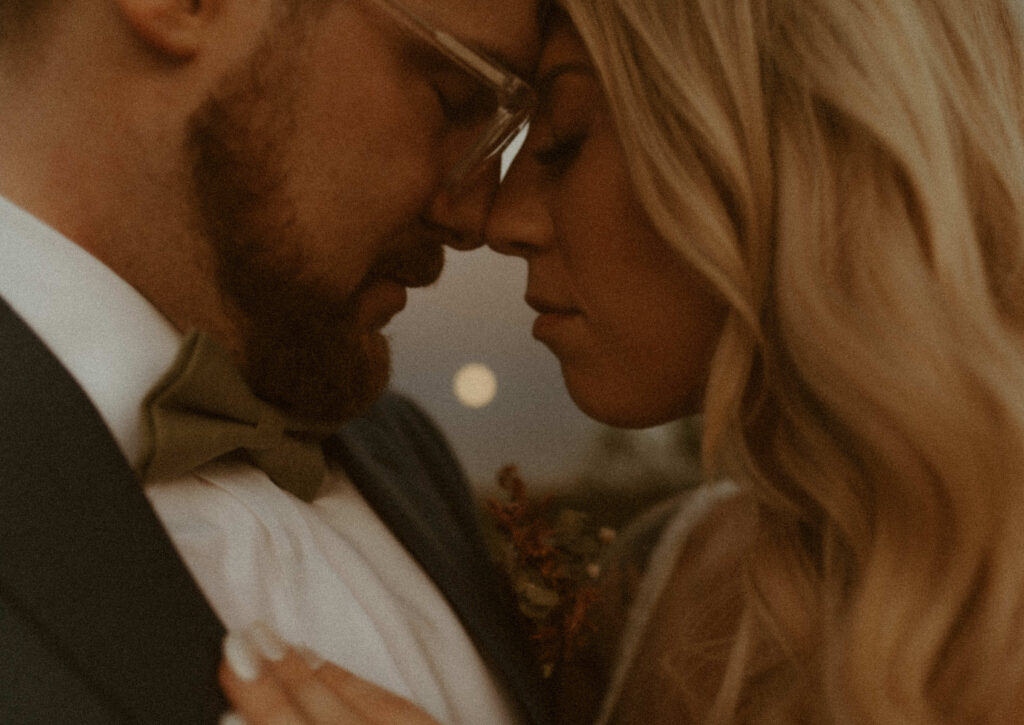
252,689
306,690
374,703
272,684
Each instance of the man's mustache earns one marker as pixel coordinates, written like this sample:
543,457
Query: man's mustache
416,263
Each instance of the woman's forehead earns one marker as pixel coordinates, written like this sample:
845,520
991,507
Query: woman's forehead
562,44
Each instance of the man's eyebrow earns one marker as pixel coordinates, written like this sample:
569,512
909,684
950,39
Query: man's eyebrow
502,58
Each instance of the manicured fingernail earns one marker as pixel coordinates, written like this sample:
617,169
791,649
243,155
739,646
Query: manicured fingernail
266,641
241,657
231,718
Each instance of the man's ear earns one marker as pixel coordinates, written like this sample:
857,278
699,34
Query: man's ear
174,28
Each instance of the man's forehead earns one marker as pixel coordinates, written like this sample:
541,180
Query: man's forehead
507,30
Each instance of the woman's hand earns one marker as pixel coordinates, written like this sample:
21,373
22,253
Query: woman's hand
269,683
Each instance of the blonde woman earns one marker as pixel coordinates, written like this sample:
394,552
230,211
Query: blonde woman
804,218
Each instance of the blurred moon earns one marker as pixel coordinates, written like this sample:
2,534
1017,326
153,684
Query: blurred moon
475,385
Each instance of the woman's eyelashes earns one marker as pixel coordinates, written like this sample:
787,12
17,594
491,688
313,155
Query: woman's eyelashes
569,99
560,151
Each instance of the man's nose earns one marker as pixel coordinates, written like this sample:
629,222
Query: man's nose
462,209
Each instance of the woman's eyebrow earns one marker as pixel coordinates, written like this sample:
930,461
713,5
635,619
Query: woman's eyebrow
552,74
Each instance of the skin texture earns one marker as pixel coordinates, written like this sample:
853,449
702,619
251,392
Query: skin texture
272,177
632,325
312,288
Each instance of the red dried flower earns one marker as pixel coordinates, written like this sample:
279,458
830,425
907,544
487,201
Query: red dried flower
551,560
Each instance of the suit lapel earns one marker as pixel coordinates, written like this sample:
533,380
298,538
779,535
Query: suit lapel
407,498
83,556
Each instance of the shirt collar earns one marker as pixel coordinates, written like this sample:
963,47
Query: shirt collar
114,343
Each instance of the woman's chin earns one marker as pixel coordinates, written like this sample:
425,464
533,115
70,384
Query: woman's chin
620,406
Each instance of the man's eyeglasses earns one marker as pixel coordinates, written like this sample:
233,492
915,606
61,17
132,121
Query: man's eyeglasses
513,98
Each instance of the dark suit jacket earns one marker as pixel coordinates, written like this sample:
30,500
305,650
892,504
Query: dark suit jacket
100,622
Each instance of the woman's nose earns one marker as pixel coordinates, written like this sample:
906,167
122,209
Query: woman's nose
519,222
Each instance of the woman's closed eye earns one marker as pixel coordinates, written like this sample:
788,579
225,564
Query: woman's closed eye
569,97
558,153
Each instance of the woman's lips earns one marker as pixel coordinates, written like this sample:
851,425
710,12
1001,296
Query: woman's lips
554,319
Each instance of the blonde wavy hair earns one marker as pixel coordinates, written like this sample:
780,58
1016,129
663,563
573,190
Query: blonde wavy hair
849,174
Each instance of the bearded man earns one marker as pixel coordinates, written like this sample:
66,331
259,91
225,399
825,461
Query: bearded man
209,209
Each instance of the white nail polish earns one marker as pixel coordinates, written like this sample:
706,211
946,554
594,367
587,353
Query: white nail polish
231,718
266,641
241,657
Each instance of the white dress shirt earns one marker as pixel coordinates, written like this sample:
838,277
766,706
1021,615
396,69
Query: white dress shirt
327,575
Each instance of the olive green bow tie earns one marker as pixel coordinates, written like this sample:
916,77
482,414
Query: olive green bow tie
202,409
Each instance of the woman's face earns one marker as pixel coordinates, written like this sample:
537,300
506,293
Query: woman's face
633,326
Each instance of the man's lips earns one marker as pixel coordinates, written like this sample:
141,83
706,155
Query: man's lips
416,273
381,301
417,264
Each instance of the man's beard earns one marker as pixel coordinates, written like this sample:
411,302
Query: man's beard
304,349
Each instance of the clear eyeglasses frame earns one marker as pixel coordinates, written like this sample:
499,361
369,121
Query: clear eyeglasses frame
515,97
